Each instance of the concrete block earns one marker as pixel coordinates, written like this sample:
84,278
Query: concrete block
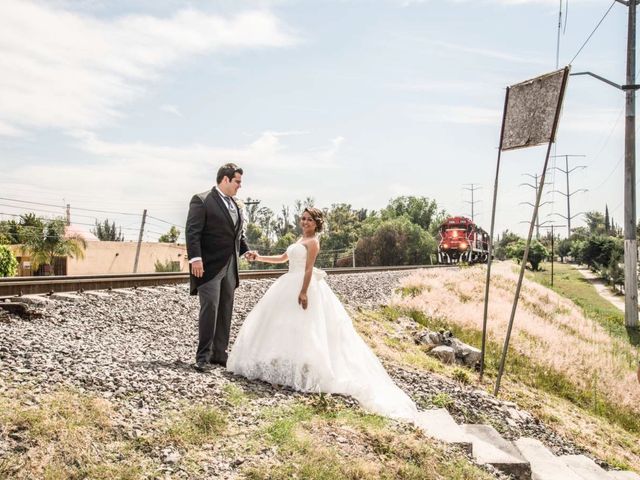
586,468
439,424
544,464
622,475
490,448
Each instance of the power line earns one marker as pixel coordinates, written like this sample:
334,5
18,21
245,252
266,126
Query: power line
594,31
59,206
164,221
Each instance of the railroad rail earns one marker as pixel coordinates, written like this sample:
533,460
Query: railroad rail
18,286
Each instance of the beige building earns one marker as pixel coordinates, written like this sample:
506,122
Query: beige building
113,257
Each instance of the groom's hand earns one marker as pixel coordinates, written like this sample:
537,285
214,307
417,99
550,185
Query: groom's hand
197,268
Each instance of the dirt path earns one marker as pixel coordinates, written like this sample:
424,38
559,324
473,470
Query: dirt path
601,287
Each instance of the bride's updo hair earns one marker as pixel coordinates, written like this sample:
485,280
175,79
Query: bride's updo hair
317,216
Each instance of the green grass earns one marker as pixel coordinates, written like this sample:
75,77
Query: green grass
67,435
235,395
570,283
197,425
374,448
522,368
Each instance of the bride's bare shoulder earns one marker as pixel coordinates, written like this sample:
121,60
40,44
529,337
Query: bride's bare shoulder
311,243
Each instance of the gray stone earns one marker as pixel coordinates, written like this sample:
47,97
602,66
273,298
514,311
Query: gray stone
444,354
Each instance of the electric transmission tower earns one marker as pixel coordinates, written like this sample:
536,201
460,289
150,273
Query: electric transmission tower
472,188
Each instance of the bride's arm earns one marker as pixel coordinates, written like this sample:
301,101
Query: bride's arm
312,252
272,258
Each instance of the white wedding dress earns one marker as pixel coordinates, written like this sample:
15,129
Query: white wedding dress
313,350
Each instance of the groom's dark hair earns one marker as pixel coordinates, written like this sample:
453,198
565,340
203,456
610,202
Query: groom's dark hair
228,170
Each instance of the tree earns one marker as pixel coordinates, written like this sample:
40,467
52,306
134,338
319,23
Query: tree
43,247
265,218
537,252
8,262
599,251
595,222
506,239
283,224
14,233
342,228
171,236
420,210
395,241
251,208
107,232
9,232
564,248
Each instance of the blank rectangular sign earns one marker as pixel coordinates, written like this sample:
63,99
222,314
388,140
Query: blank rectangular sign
531,110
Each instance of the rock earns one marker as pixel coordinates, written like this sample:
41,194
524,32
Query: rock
470,356
171,456
444,354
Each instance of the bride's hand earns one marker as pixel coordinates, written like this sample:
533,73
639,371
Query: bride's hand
302,300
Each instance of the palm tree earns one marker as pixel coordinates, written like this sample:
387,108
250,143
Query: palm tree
51,242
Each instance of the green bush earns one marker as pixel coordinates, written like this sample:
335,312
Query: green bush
8,262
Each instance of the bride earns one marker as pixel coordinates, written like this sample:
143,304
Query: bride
300,335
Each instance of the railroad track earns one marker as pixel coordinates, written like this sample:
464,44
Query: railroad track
17,286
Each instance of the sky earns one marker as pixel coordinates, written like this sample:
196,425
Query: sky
126,105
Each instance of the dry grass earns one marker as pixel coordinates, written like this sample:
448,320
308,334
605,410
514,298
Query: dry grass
575,373
548,329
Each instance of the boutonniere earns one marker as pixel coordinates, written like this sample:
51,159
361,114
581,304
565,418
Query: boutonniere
239,202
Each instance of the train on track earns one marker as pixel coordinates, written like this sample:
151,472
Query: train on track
461,240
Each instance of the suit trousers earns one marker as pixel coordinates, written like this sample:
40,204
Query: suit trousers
216,309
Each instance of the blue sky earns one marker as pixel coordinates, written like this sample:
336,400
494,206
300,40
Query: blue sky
125,105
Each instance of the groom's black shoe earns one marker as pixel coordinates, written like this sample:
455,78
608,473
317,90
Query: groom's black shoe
201,366
222,363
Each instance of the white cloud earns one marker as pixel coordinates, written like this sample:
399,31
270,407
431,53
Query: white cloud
172,109
66,70
143,175
7,130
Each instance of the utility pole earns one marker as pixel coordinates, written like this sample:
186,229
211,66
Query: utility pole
68,214
567,172
630,240
552,226
472,188
144,219
535,190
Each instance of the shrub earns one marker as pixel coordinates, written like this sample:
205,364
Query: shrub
8,262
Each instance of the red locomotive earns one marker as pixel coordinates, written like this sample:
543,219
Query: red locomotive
461,240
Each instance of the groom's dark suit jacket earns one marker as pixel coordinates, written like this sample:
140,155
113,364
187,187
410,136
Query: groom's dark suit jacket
212,236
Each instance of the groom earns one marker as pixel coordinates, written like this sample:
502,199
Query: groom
215,239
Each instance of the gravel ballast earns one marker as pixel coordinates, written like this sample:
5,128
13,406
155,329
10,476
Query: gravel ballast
137,350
